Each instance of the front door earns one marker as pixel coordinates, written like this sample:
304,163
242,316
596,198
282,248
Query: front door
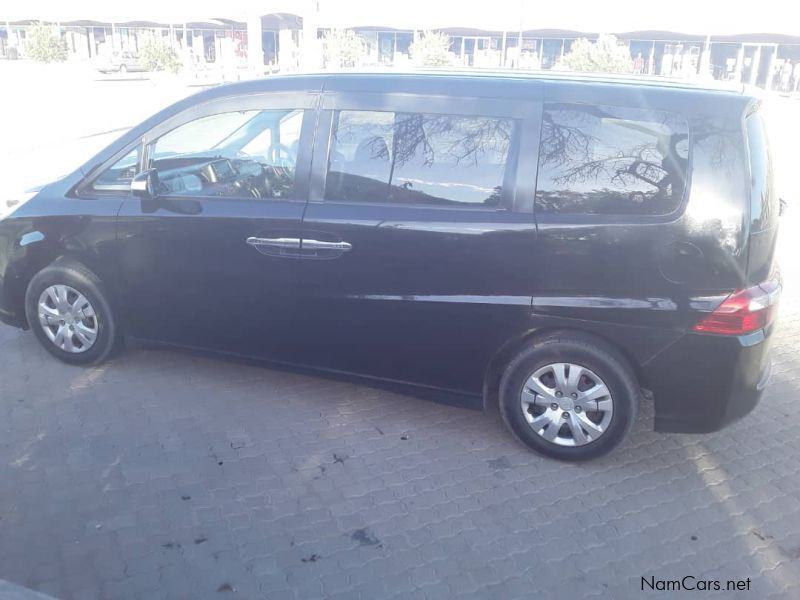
211,261
418,240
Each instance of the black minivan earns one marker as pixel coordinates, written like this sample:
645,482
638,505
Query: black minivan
560,245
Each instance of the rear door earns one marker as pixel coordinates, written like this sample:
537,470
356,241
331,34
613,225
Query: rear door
611,187
419,233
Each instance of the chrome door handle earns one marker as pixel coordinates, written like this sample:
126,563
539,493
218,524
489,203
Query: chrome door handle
284,243
320,245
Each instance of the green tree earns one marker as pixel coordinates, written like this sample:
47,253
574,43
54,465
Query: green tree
606,55
157,55
44,45
431,49
342,48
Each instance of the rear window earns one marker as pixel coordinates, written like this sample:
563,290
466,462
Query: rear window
763,200
612,161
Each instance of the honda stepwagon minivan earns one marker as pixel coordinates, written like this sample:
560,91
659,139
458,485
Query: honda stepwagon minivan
560,245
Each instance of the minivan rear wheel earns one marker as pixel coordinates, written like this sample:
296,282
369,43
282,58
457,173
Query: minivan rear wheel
569,396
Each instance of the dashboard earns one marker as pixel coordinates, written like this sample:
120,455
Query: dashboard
219,176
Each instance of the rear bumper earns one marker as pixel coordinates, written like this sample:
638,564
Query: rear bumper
703,382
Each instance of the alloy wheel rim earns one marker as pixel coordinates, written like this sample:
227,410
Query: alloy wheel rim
68,319
567,404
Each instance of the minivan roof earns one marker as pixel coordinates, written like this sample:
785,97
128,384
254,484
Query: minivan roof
652,82
495,83
570,76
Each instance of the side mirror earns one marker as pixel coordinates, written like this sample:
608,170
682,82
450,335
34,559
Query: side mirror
145,184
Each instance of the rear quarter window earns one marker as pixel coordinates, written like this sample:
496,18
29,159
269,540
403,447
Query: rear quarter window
611,161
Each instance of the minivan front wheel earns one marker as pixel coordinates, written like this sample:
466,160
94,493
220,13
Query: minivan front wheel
569,396
69,312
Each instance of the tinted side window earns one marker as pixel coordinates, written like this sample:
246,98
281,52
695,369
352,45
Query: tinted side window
414,158
763,200
605,160
250,154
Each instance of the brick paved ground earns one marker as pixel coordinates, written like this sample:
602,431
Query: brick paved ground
164,474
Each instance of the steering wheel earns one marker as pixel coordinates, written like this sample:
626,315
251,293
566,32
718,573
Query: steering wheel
280,155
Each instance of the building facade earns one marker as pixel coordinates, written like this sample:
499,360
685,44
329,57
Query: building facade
289,41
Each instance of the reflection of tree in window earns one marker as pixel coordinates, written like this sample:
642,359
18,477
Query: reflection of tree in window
604,160
445,158
419,158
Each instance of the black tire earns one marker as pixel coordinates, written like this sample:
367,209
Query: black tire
591,353
78,277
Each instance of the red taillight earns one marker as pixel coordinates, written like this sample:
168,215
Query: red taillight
744,311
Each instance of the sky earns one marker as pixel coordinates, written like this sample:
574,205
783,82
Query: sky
700,17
